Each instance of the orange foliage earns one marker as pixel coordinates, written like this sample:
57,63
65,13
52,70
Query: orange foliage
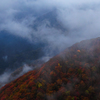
73,77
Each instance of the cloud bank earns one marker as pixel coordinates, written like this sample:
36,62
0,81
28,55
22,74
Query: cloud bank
80,18
8,76
71,22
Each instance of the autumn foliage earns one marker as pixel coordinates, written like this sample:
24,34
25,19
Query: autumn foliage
74,74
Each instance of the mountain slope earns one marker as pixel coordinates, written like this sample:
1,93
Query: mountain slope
14,51
8,77
72,75
48,19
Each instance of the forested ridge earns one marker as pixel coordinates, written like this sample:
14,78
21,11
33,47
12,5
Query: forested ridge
74,74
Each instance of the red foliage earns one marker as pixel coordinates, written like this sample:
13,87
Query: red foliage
72,75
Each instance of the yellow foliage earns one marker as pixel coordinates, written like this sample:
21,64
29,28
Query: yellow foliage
91,89
39,85
72,98
87,92
59,65
68,92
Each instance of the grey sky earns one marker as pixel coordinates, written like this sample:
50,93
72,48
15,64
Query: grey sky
81,18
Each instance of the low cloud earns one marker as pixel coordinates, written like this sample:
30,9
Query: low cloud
80,19
9,76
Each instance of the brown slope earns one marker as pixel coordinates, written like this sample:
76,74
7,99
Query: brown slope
22,70
74,74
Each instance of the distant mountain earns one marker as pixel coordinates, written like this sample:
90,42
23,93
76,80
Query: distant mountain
49,19
8,77
74,74
15,51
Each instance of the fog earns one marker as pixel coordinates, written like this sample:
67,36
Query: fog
59,23
80,19
7,77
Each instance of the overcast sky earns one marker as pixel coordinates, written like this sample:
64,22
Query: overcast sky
80,17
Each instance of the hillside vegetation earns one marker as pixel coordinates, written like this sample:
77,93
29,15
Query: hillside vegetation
74,74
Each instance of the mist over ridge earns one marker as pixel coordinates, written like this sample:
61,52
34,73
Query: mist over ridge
58,22
32,29
72,74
